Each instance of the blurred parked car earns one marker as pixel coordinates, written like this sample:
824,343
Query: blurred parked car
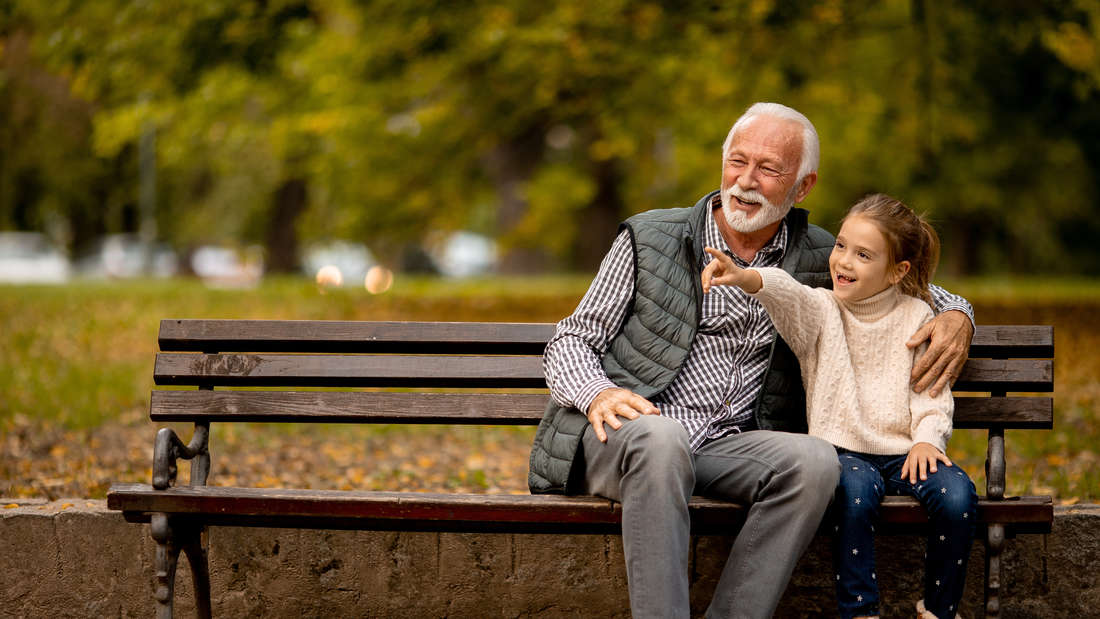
30,258
353,260
121,256
465,254
222,267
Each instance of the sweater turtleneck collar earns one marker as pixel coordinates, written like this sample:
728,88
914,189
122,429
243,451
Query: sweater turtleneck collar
875,306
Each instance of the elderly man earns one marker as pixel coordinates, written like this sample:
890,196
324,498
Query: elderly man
659,391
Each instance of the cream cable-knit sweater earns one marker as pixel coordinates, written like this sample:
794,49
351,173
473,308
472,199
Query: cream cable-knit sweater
855,365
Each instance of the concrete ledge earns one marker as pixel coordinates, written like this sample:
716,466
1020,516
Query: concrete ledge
73,558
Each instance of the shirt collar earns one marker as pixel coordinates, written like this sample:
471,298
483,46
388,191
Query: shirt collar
771,253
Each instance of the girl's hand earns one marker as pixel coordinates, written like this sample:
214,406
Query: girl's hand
922,460
723,272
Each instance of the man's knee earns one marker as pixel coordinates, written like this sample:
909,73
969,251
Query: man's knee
658,439
819,464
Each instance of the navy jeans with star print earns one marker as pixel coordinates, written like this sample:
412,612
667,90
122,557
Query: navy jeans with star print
947,495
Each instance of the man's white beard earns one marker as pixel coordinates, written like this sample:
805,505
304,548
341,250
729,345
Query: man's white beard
766,215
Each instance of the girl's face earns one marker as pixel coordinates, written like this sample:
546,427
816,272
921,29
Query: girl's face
860,264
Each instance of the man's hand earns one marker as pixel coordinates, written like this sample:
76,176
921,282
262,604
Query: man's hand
723,272
948,336
922,461
612,403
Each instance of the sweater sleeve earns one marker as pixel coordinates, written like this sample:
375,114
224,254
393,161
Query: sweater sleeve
931,418
796,310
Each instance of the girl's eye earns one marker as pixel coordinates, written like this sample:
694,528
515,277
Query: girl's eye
838,245
864,255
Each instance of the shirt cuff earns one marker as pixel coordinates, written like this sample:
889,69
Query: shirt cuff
962,307
589,391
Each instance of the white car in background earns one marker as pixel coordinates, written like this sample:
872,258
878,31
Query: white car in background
30,258
122,256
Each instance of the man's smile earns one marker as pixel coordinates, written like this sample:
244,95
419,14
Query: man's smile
745,203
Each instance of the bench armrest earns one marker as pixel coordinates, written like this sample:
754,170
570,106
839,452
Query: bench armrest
169,448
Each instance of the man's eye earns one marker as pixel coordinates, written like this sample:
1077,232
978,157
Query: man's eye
771,171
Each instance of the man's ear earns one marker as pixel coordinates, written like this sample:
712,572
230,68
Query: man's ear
900,270
805,186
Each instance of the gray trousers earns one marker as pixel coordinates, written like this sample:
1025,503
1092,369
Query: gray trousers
787,480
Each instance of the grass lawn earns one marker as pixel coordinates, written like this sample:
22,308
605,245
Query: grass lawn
76,365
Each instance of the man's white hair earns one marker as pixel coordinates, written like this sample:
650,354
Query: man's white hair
810,147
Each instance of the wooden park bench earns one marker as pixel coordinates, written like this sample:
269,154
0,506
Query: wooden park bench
470,373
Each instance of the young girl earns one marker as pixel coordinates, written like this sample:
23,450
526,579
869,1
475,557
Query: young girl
850,342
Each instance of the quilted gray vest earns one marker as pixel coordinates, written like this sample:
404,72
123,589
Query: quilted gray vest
657,336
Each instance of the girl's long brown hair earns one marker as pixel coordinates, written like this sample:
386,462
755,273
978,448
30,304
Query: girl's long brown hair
908,236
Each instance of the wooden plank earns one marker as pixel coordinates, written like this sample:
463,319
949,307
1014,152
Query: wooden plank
1029,375
475,338
1008,341
444,512
1032,341
478,408
273,370
1011,412
348,370
348,407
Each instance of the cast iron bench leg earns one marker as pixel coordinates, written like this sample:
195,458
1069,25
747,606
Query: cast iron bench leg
994,545
170,539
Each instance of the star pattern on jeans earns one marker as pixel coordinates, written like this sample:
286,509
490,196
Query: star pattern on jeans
855,551
858,500
943,490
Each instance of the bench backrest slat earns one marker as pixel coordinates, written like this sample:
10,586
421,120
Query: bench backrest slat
348,370
473,338
349,406
478,408
483,338
1013,341
340,370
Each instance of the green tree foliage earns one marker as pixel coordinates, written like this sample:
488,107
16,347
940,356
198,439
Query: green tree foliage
544,124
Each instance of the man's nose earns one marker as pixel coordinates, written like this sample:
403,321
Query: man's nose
747,178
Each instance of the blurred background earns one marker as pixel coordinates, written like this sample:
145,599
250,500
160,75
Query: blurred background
514,136
471,160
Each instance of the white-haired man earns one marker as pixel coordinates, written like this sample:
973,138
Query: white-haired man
660,392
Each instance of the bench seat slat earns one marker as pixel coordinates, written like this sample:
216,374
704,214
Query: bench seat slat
477,371
446,512
478,408
498,338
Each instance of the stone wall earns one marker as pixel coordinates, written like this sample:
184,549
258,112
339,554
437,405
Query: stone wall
73,558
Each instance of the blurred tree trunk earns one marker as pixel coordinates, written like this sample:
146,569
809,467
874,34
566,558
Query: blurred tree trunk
282,234
600,218
509,166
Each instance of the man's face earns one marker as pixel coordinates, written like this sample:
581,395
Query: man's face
759,174
860,264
